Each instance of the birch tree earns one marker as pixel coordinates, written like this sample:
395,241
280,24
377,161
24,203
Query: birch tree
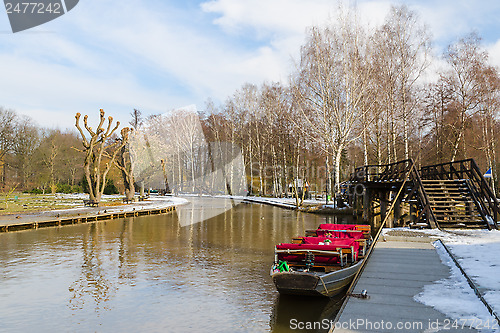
466,61
489,111
412,53
331,84
401,57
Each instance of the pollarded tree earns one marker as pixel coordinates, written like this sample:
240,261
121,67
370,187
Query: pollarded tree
124,164
95,148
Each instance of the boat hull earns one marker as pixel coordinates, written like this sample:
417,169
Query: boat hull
313,284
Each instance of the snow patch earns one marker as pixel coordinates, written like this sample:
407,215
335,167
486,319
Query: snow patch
455,298
477,252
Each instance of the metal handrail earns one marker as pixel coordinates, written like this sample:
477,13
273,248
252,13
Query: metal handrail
426,204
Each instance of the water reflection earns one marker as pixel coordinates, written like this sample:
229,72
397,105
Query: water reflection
291,310
152,274
199,210
92,286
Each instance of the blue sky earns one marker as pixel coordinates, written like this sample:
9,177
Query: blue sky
161,55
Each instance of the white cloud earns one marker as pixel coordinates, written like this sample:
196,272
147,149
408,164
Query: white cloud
158,57
494,53
281,25
32,86
269,17
113,61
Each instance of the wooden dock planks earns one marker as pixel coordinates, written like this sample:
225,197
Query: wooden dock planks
395,273
61,221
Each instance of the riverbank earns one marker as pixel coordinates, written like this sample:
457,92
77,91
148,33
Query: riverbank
38,211
309,206
81,214
22,203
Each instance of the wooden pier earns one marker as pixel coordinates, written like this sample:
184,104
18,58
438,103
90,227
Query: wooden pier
446,195
396,271
13,225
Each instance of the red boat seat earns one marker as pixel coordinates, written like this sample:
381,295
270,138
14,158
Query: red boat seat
297,257
336,243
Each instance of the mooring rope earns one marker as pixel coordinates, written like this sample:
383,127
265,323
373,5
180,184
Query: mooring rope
324,285
372,246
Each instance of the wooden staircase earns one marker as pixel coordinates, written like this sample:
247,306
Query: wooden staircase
446,195
453,204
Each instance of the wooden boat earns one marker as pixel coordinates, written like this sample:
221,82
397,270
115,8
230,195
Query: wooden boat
323,262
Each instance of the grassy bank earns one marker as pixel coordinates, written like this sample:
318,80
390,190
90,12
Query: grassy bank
25,203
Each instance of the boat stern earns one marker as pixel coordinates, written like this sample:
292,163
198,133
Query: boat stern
293,283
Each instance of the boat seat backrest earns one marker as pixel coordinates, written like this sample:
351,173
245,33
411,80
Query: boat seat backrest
333,246
358,227
340,233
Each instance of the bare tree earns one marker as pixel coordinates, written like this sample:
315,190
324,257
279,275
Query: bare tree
95,148
489,111
7,126
436,107
401,56
50,162
331,85
124,164
467,64
26,140
136,119
57,163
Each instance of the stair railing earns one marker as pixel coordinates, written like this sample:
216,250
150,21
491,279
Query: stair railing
477,201
467,169
423,197
385,172
397,172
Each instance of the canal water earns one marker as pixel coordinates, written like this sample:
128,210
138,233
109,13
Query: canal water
155,274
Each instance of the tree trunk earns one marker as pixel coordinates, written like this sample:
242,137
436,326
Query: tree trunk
456,146
338,155
365,140
405,134
275,172
388,137
128,178
378,141
494,157
251,168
